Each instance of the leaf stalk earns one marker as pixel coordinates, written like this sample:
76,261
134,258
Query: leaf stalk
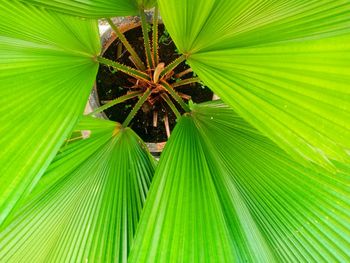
171,105
115,102
127,70
155,36
136,59
185,82
173,65
173,93
136,108
147,44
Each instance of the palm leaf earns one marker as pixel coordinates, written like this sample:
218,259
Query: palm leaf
46,74
146,4
223,192
282,65
95,8
87,205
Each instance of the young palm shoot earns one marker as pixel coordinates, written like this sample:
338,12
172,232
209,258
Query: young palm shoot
157,72
153,84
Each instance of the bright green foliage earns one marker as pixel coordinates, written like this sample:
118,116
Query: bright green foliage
146,3
282,65
95,8
46,74
87,205
223,192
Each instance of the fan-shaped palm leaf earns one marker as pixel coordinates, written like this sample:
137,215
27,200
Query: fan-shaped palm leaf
87,205
222,192
95,8
282,65
46,74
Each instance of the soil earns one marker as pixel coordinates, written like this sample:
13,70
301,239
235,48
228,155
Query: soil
111,84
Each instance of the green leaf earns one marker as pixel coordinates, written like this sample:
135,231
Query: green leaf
87,205
282,65
46,74
223,192
95,8
146,4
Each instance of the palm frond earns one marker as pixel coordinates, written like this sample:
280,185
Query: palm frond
87,205
94,8
282,65
146,4
223,192
46,74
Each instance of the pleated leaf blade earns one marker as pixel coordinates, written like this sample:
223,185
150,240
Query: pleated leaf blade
282,65
46,74
223,192
87,205
95,8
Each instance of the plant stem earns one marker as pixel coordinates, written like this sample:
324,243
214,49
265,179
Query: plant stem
74,139
119,50
185,82
173,65
155,118
115,102
173,93
147,44
138,62
171,105
137,107
127,70
186,71
155,36
166,124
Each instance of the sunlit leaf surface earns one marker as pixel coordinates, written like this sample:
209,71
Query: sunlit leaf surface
223,192
231,185
282,65
87,205
46,74
95,8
